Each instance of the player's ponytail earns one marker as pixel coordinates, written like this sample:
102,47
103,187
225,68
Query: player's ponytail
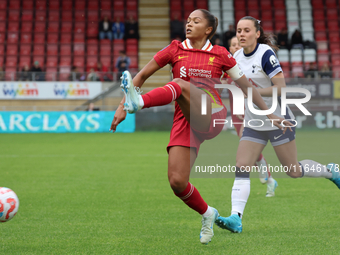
212,22
265,38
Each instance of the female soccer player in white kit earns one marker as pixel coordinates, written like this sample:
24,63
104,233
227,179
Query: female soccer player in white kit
259,63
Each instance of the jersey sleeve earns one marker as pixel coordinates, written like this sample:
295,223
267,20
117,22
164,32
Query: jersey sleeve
230,66
165,56
270,64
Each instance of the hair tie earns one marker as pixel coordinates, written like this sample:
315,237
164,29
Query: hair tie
259,21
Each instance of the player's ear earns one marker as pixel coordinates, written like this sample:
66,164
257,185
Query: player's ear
208,30
258,34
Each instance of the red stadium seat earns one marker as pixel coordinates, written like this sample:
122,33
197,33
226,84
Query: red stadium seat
279,5
79,38
252,5
40,27
40,59
131,42
13,15
267,15
331,4
2,37
334,37
322,59
92,50
93,15
27,15
25,49
53,15
106,13
52,49
106,42
12,49
279,25
266,5
318,14
131,5
26,27
2,49
54,5
92,29
320,36
66,5
319,25
10,73
106,61
332,14
2,26
26,38
280,15
52,38
65,50
175,15
202,4
79,27
118,5
317,4
14,5
92,5
53,27
175,5
105,5
40,15
117,48
3,15
12,37
240,5
2,60
79,5
335,48
79,61
40,4
3,4
91,61
105,50
238,14
39,49
133,62
79,15
92,41
66,38
51,73
13,26
254,13
11,61
78,49
66,15
267,26
64,73
65,61
119,14
66,27
52,61
188,5
24,60
333,25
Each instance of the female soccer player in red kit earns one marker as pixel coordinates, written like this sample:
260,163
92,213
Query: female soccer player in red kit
194,57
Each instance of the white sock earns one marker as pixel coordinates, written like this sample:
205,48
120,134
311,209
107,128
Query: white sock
270,180
239,195
208,212
141,101
314,169
261,162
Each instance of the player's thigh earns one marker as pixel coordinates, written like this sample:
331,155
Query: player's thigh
287,153
180,161
248,152
190,103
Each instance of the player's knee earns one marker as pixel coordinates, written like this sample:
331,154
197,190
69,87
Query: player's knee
177,183
183,84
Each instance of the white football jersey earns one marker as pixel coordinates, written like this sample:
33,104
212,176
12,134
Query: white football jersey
259,67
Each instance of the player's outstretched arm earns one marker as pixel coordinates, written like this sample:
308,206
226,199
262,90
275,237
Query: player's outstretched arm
138,81
278,82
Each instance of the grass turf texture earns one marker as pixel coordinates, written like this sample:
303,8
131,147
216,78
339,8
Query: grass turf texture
109,194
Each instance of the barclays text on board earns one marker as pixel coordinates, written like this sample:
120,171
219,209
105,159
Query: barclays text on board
62,122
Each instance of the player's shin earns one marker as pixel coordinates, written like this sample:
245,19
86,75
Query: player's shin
240,192
312,168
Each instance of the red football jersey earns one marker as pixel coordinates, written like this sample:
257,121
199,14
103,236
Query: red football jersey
187,63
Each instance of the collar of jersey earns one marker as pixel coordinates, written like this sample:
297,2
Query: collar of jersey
207,47
252,53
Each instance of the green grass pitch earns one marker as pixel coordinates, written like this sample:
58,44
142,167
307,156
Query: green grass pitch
109,194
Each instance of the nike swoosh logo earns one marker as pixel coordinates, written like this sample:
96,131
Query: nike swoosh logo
277,137
179,57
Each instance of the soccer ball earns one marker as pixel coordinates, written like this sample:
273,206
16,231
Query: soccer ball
9,204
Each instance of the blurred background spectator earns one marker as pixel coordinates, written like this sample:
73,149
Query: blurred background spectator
325,71
122,64
2,74
118,29
75,75
102,72
37,74
282,39
25,74
297,41
92,75
177,30
228,35
310,73
131,28
92,107
105,29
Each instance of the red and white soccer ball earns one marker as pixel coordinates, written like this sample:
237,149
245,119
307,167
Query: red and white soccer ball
9,204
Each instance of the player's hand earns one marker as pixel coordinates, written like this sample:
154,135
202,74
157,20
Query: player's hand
240,117
120,115
277,122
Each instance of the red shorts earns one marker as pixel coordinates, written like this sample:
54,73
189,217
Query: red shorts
183,135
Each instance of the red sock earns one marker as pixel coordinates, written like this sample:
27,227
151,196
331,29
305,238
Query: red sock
260,157
162,96
193,199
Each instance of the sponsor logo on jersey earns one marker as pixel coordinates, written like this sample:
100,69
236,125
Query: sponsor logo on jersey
211,61
273,61
199,73
183,72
